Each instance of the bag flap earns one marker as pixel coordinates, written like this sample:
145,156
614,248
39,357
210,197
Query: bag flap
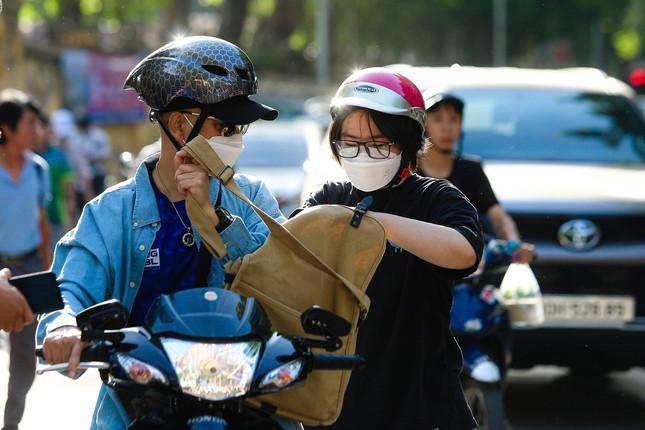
355,253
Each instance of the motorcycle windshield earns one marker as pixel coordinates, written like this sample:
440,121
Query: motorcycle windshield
207,313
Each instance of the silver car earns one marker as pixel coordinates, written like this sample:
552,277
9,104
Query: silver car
277,153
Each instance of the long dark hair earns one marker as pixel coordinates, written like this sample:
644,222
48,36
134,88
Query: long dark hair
401,130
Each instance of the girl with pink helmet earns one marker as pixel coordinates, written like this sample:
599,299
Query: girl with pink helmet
411,380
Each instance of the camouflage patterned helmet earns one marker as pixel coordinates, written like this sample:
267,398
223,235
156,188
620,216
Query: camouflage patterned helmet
200,70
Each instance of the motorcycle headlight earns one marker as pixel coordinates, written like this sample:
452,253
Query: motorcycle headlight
282,376
213,371
139,371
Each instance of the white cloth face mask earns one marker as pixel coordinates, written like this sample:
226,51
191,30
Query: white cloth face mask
228,149
369,174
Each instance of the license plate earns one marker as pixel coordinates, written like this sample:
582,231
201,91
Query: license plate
588,308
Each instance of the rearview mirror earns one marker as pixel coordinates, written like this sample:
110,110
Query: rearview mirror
108,315
318,321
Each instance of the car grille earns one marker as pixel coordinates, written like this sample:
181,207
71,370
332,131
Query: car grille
592,280
612,229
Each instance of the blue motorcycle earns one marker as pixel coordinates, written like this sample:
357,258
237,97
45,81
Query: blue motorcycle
200,353
481,324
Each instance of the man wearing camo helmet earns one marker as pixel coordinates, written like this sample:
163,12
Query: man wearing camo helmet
135,241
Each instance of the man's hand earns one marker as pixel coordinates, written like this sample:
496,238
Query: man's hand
192,179
15,313
64,345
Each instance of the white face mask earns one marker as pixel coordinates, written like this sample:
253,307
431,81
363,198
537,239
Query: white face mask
369,174
228,149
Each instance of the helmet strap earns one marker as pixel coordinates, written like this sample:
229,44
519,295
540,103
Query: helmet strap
155,117
401,174
198,124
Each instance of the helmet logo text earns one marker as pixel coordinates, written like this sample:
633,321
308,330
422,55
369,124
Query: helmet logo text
365,89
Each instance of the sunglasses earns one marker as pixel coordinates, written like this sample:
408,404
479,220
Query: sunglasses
226,129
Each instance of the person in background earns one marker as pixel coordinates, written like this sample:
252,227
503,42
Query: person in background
66,134
411,380
444,115
97,148
24,233
61,211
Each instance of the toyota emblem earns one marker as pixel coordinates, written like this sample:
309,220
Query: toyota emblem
579,235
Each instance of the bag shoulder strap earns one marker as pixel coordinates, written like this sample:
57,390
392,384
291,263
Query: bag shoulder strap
205,256
200,150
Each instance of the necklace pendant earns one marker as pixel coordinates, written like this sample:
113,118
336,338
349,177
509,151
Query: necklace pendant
188,239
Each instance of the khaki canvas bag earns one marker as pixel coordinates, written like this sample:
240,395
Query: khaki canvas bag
315,258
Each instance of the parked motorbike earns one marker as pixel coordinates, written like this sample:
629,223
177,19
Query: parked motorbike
199,354
480,322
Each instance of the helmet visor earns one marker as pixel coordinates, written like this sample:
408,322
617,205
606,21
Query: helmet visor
242,110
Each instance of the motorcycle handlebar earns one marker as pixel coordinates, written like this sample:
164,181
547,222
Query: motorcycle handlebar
91,353
62,367
337,362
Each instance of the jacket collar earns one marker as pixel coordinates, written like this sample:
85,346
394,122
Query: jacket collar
145,210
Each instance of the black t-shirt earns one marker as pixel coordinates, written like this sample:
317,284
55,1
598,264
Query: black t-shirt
468,175
411,380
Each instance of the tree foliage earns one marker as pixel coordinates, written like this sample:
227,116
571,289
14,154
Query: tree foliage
281,34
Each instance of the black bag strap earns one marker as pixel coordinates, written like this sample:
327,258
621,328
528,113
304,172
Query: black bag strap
205,257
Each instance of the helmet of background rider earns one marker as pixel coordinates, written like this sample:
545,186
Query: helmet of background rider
199,71
434,99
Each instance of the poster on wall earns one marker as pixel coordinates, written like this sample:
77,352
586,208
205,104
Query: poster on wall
94,86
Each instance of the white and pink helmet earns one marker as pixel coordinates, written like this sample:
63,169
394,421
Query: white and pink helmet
382,90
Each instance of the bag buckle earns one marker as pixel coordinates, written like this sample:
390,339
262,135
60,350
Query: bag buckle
226,174
362,313
361,209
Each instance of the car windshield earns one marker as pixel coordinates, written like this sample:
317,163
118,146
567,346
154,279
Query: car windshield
552,125
263,149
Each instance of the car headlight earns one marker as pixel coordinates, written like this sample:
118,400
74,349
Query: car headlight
282,376
213,371
139,371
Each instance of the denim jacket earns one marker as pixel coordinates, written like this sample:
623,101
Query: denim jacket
104,256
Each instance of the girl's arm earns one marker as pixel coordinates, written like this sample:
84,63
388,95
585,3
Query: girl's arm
436,244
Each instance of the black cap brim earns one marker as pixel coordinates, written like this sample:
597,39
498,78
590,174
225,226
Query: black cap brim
242,110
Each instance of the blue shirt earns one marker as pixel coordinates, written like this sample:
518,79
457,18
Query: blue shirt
21,204
104,256
170,265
